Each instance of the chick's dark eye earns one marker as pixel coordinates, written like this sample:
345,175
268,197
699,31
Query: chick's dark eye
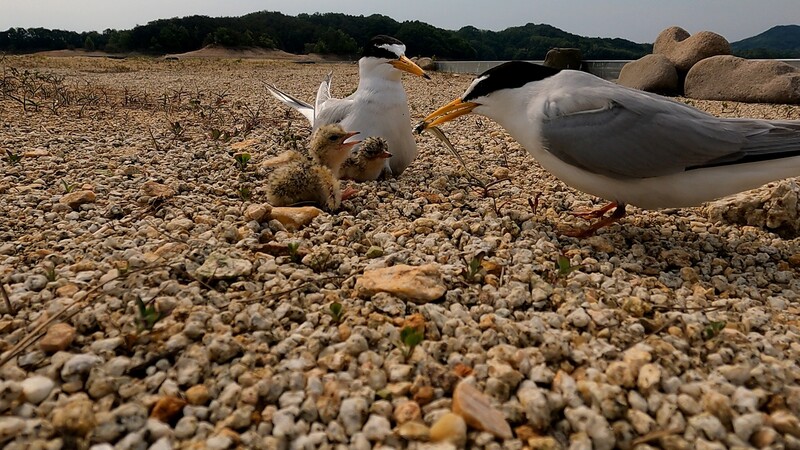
333,138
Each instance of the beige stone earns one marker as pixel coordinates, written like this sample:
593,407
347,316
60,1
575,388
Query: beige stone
651,73
419,284
258,212
294,218
451,428
157,190
743,80
478,412
685,50
77,198
58,337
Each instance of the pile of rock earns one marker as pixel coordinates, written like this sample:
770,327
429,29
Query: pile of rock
701,66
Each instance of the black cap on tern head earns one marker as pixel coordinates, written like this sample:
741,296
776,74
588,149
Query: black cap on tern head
382,46
512,74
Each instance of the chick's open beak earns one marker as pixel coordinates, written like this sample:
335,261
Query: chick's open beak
446,113
351,143
406,65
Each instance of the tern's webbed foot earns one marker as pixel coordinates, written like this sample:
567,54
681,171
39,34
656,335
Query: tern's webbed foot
618,214
349,192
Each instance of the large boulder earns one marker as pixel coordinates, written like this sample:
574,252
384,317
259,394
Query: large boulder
684,50
775,207
651,73
426,64
564,58
743,80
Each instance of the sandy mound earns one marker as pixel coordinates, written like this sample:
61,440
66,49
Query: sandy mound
244,52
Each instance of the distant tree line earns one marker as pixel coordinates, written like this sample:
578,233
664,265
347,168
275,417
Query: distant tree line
330,33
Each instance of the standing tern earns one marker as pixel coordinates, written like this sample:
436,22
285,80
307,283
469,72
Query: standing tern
624,145
378,107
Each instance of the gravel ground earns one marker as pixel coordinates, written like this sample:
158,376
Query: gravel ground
150,311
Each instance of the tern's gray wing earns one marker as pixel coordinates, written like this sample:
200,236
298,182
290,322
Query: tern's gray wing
302,107
335,110
637,135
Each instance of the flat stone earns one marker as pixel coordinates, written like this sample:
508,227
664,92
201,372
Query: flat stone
478,412
157,190
166,408
37,388
451,427
76,417
294,218
10,427
419,284
197,395
77,198
258,212
219,266
58,337
414,431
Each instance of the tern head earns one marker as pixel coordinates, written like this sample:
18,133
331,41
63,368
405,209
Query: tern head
375,147
486,91
384,49
328,145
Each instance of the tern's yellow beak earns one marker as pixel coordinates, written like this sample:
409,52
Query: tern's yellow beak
406,65
446,113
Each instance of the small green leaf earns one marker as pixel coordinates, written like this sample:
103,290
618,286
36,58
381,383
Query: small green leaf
336,311
712,330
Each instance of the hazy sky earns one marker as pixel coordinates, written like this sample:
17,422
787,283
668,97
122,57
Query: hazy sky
637,20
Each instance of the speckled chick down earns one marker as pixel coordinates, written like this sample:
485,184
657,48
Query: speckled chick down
367,162
312,180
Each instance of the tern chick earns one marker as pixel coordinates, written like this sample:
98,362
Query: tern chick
313,180
367,162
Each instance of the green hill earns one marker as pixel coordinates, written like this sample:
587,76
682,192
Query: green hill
782,41
329,33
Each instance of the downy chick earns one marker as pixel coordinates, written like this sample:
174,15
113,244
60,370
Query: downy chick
367,162
303,180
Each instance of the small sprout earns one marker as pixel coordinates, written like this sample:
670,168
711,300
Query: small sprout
564,267
712,330
337,312
13,158
384,394
410,338
50,272
219,135
67,186
244,193
148,315
294,255
474,270
241,160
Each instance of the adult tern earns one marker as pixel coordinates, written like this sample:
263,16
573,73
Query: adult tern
378,107
624,145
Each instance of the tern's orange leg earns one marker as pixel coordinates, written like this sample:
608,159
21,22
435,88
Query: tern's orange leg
349,192
595,213
618,213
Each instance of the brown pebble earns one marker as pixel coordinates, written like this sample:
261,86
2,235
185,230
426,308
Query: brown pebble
58,338
167,408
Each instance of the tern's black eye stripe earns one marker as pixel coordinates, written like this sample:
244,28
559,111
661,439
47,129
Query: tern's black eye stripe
509,75
379,47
